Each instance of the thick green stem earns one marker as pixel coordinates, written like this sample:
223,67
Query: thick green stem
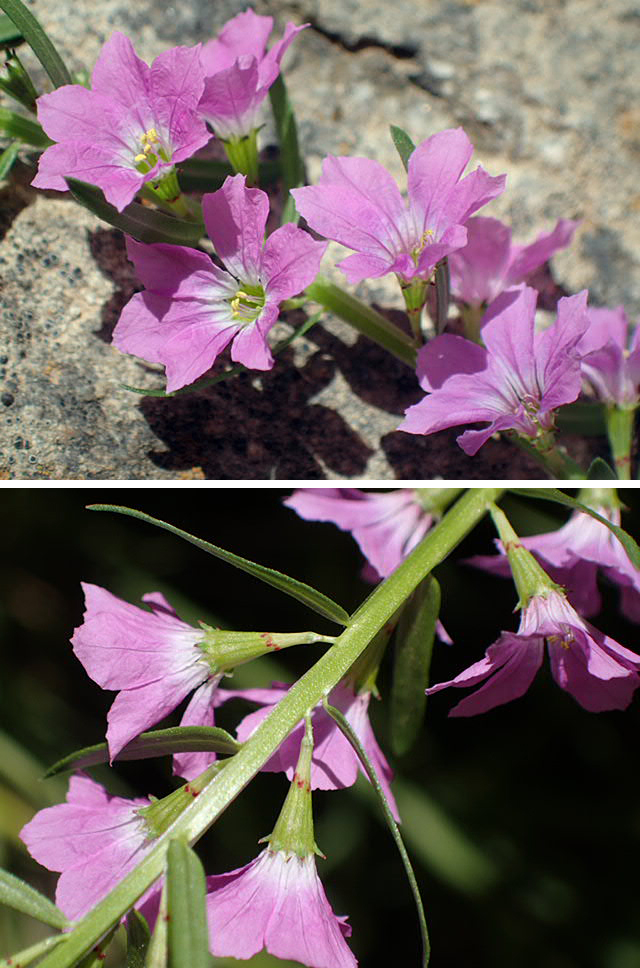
555,461
620,427
310,689
363,318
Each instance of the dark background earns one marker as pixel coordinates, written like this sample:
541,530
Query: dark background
523,823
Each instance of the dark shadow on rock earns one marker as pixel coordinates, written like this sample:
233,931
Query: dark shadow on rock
372,373
438,455
110,254
258,427
16,195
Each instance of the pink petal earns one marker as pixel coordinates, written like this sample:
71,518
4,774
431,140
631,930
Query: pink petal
199,712
291,261
231,99
270,65
95,164
235,217
478,270
246,33
526,258
121,75
250,347
434,168
177,271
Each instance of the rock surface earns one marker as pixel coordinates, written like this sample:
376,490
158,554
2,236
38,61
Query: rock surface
548,92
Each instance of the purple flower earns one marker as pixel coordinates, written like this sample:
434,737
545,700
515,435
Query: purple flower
516,383
489,263
611,364
335,764
93,839
191,309
152,657
239,72
357,202
572,555
276,902
132,127
386,526
596,670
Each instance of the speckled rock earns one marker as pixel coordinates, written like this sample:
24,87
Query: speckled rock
546,89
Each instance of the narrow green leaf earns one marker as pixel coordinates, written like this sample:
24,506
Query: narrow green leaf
207,175
138,937
9,33
24,129
363,318
599,470
442,285
21,897
412,661
345,728
144,224
584,417
97,955
34,34
291,161
403,144
22,958
552,494
187,925
310,597
176,739
8,158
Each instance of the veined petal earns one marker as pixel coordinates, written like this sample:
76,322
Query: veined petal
471,193
446,356
96,164
508,334
246,33
463,399
361,266
479,268
179,272
235,217
557,355
434,168
123,76
291,261
250,347
269,66
72,113
357,203
453,238
231,98
526,258
571,671
200,711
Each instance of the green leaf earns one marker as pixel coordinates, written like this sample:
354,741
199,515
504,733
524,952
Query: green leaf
291,162
207,175
35,36
144,224
414,646
22,958
21,897
24,129
442,285
138,937
599,470
8,158
403,144
187,926
176,739
290,586
363,318
97,955
584,417
346,729
9,33
552,494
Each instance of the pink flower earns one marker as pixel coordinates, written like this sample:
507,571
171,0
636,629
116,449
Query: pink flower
357,203
153,658
93,839
595,669
276,902
572,555
191,309
334,764
489,263
611,363
386,526
132,127
239,72
516,383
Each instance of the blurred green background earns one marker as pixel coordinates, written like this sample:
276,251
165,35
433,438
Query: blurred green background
523,823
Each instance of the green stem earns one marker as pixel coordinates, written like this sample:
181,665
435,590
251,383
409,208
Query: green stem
363,318
243,155
555,461
620,427
306,693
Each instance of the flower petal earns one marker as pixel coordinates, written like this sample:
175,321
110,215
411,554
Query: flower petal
235,217
291,261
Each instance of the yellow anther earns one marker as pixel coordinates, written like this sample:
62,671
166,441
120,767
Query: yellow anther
140,158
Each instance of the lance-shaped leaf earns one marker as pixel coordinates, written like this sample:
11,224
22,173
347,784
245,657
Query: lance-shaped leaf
159,742
290,586
20,959
599,470
138,937
403,144
24,129
9,33
291,162
584,417
21,897
414,646
144,224
345,727
553,494
34,34
8,159
188,932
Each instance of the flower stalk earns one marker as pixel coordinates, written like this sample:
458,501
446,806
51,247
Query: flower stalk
310,689
620,428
